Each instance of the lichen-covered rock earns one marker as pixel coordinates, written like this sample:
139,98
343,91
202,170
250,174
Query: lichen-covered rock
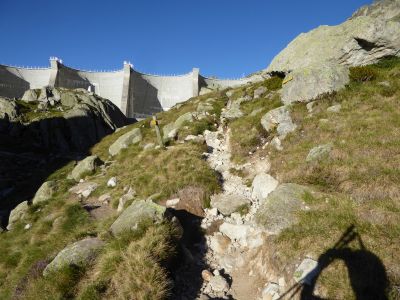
280,119
169,131
45,192
30,96
278,210
85,167
124,141
80,254
319,152
309,82
139,212
18,213
363,39
228,203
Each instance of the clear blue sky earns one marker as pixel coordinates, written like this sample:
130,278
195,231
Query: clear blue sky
224,38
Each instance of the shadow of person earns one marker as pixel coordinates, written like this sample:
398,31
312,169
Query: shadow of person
366,271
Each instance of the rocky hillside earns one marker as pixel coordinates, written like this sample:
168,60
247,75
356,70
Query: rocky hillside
250,199
287,188
43,131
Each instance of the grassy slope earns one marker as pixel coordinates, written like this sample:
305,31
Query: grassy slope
62,221
360,179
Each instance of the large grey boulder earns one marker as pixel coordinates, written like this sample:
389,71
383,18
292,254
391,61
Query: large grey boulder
170,130
278,210
85,167
139,212
263,184
358,41
372,33
124,141
8,109
30,96
18,213
80,254
229,203
307,83
45,192
280,119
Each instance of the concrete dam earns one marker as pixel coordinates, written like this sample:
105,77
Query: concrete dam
135,93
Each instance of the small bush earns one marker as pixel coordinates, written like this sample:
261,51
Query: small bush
274,83
362,74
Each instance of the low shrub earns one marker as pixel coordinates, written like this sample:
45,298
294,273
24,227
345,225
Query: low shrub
362,74
274,83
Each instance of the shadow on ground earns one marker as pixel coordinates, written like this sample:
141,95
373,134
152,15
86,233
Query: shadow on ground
30,153
366,271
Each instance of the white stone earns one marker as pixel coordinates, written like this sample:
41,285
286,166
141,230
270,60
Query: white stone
219,243
172,202
306,271
262,185
112,182
270,290
334,108
213,212
84,188
219,284
104,198
245,235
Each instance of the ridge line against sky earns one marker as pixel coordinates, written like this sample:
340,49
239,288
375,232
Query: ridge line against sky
227,39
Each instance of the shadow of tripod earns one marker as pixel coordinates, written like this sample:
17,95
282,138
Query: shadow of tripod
367,274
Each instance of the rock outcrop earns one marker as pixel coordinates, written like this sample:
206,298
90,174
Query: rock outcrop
138,213
363,39
308,83
60,120
17,214
86,166
317,60
45,192
78,254
124,141
278,210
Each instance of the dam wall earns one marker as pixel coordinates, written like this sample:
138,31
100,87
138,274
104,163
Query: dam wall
105,84
137,94
14,81
149,94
